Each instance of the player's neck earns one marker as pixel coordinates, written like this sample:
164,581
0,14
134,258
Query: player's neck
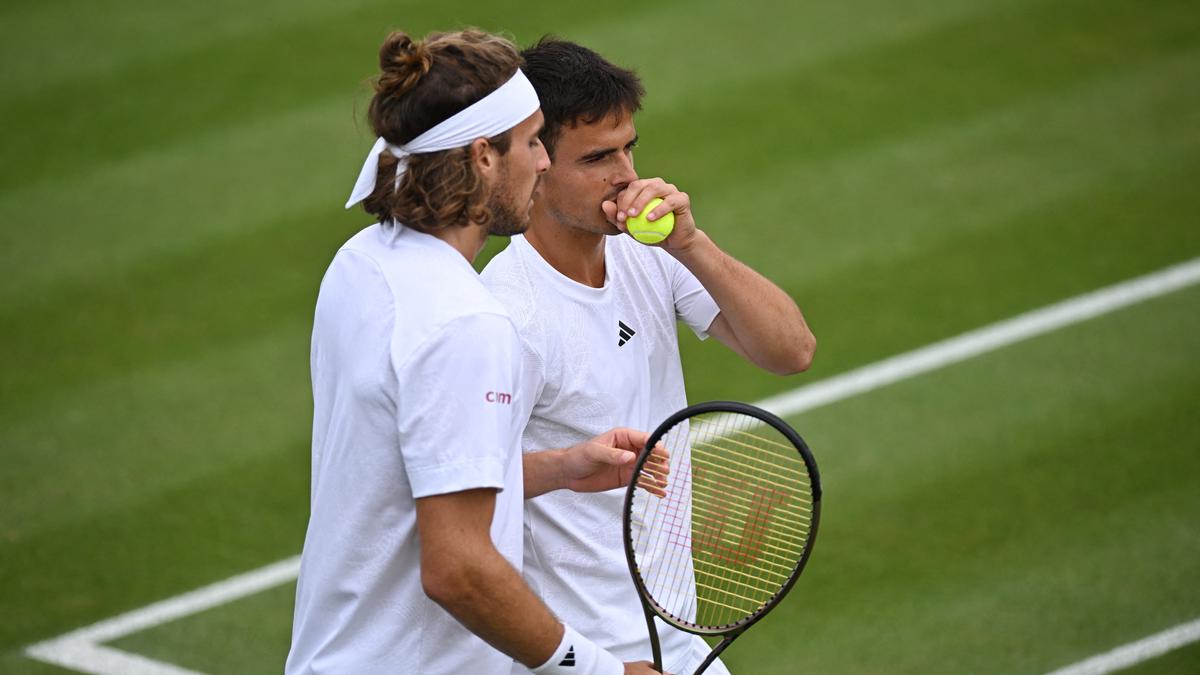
467,240
576,254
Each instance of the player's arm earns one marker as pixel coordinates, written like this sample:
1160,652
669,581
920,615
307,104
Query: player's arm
462,571
757,319
454,438
601,463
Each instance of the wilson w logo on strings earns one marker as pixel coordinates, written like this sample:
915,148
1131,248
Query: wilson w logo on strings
731,519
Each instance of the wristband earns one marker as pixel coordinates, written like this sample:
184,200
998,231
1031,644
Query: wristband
577,655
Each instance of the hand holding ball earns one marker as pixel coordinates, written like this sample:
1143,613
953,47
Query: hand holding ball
650,232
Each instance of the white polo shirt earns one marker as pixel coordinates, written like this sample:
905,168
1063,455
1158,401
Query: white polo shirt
414,370
596,358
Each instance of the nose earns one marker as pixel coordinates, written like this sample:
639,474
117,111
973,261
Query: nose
624,173
542,164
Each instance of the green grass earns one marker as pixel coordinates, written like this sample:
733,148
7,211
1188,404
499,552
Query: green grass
253,645
1179,661
171,181
1012,514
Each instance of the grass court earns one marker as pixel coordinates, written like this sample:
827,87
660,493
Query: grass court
171,184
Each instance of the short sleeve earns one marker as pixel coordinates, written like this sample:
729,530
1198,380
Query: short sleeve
456,406
693,305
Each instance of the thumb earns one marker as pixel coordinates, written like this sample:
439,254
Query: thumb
602,452
621,457
630,439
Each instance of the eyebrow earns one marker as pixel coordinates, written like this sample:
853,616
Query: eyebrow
604,152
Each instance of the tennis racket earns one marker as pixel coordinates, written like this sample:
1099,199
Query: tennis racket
735,527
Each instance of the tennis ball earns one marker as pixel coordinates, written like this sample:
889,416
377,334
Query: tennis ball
647,231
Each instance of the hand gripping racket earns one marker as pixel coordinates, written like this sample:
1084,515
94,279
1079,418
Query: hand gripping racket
735,528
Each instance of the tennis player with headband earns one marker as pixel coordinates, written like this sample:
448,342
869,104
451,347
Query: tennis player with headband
414,543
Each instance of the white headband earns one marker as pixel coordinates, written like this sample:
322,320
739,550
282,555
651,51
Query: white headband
499,111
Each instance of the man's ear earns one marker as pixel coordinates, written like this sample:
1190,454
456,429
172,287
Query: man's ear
484,157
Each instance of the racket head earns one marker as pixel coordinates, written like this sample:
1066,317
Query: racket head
737,526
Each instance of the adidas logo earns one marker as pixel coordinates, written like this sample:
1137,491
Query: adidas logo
624,333
569,659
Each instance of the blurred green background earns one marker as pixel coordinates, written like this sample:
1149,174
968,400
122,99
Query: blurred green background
171,183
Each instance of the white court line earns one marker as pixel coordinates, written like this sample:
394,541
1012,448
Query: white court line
983,340
1136,652
82,650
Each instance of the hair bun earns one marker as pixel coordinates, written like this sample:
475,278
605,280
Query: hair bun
403,63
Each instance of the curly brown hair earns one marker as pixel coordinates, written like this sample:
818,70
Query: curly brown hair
422,84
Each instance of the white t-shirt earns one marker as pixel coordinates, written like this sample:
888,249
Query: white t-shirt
414,370
597,358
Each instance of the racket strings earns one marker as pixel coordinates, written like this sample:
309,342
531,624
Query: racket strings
789,527
728,535
783,484
768,466
722,557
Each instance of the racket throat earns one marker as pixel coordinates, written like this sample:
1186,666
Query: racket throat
716,652
652,630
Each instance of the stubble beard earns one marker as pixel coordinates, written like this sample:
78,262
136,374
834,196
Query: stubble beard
507,218
595,223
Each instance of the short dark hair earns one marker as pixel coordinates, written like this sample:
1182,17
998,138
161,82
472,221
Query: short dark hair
575,84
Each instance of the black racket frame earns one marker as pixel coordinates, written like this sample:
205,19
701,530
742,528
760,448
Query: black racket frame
651,608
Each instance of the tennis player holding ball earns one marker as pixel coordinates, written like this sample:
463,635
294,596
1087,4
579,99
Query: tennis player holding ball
412,555
596,312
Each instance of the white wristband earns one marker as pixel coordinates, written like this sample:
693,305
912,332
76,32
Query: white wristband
577,655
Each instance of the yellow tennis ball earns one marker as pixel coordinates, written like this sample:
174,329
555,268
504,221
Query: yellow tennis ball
650,231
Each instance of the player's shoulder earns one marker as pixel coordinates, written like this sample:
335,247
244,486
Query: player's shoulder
445,318
510,281
504,269
355,273
426,278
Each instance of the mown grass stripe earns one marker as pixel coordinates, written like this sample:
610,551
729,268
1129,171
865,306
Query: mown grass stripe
888,372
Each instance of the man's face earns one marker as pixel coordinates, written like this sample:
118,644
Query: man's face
521,168
592,164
